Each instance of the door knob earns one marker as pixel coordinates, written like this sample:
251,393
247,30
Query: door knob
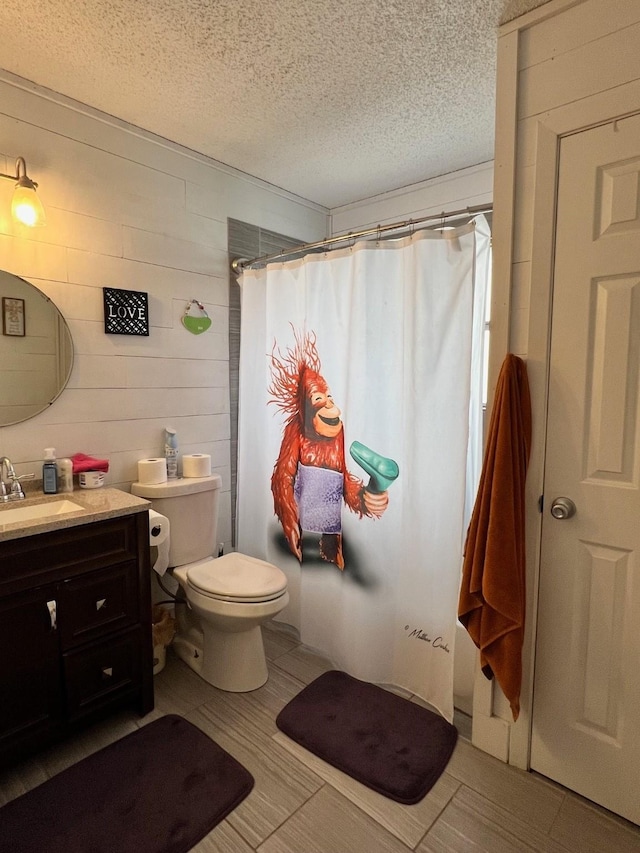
563,508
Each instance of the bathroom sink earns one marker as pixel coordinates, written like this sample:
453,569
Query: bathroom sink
50,509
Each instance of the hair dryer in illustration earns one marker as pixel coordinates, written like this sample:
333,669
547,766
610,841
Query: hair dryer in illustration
381,470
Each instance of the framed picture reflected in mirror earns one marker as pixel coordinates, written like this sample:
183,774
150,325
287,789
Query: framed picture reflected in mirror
13,316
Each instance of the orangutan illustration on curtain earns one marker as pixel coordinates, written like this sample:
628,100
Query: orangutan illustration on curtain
310,477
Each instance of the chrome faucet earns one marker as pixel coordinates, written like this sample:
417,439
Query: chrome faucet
11,489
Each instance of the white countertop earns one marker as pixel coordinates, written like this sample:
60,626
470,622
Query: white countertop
96,505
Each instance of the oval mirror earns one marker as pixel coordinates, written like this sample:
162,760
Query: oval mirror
36,350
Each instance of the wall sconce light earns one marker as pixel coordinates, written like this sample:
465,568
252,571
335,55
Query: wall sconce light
26,207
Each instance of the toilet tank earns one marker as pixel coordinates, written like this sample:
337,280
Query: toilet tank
191,505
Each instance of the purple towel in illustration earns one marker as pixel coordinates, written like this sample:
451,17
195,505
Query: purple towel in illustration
318,492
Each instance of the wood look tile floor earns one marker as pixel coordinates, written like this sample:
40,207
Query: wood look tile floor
302,805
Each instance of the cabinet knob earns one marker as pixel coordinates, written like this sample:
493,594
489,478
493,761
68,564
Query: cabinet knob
52,607
101,604
107,672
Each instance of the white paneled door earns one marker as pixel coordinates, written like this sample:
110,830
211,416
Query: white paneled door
586,712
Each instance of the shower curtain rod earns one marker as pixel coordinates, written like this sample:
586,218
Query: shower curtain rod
240,264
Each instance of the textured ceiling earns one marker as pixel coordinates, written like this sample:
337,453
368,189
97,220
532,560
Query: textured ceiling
334,100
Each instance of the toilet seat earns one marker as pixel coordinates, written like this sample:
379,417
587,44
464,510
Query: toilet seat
237,577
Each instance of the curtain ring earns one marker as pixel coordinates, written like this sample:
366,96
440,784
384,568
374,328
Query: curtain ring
411,228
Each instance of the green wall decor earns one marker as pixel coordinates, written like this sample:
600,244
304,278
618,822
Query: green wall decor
195,324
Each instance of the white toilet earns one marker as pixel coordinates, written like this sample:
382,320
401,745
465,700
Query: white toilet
227,598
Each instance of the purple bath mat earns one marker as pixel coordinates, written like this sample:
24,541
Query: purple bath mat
384,741
158,790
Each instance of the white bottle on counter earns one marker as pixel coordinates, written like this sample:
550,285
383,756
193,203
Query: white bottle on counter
65,475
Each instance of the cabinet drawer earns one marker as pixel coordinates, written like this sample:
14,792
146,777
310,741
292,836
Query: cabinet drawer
67,552
102,673
97,603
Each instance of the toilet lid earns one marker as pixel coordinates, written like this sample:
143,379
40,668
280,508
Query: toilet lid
237,577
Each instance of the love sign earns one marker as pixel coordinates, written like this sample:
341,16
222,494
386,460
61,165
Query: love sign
126,312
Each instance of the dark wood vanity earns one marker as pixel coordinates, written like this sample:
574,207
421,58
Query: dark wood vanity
75,628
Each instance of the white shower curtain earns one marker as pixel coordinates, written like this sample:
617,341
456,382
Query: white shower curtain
368,349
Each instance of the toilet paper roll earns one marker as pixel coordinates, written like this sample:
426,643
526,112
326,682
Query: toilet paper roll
196,465
152,471
159,538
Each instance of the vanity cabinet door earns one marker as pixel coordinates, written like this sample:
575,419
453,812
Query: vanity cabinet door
31,699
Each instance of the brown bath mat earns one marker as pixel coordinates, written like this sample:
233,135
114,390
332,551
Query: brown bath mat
157,790
384,741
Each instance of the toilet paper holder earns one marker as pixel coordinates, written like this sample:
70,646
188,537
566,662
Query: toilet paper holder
159,536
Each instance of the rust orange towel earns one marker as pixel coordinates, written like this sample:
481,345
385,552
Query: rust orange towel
492,594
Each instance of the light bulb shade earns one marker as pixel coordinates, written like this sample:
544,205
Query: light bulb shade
26,207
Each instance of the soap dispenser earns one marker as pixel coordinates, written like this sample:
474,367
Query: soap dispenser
50,472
